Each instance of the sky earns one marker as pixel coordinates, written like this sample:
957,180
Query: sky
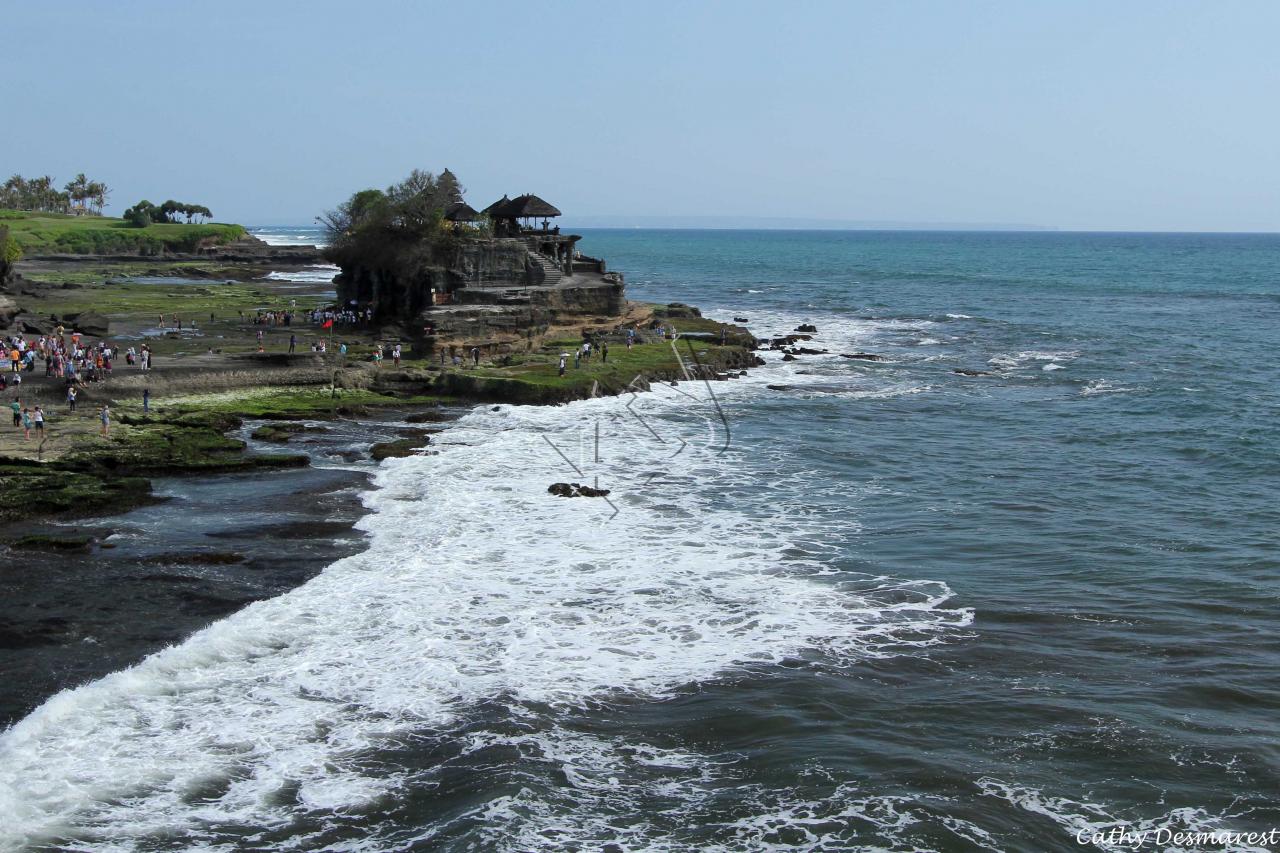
1134,115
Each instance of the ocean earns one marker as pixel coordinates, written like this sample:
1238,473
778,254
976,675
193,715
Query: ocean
1013,585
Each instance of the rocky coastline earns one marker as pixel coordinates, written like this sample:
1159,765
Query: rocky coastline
227,402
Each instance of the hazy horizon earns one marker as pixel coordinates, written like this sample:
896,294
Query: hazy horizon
1088,116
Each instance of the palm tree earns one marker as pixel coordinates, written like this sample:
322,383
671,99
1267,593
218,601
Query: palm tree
78,191
97,192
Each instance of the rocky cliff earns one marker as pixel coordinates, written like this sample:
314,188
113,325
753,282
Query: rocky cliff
483,291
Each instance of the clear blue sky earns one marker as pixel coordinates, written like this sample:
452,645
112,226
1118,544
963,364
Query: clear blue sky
1149,115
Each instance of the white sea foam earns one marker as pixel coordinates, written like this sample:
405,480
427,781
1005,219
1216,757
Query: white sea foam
477,587
284,236
1083,818
1013,361
1105,386
316,273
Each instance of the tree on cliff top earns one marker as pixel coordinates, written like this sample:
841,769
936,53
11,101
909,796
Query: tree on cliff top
374,225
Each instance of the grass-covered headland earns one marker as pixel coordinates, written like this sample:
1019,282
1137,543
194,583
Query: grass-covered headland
38,233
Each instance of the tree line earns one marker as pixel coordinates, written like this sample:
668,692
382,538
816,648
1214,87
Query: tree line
145,213
373,222
41,195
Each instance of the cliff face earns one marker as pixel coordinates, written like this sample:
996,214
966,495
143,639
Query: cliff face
477,289
401,284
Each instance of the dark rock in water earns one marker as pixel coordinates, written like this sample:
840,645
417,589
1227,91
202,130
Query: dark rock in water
778,387
286,531
962,372
576,490
277,432
398,448
806,327
677,310
804,351
788,357
863,356
741,320
203,558
53,543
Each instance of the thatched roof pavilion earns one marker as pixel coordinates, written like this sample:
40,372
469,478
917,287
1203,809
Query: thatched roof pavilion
530,207
496,209
460,211
507,212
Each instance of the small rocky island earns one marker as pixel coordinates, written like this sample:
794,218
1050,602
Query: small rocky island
419,258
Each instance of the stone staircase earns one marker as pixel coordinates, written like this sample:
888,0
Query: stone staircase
551,272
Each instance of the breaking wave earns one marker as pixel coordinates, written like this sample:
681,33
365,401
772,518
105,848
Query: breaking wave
478,588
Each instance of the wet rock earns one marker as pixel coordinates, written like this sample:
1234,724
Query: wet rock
741,320
44,542
277,432
863,356
962,372
788,357
202,558
398,448
806,327
89,322
8,310
576,490
676,309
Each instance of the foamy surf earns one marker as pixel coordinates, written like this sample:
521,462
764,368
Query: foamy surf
478,587
316,273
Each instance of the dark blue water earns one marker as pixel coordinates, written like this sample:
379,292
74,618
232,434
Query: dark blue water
1112,523
1013,582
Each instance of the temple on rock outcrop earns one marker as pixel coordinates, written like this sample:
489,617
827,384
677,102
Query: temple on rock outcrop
496,276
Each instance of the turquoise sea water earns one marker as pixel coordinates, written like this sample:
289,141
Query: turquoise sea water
876,605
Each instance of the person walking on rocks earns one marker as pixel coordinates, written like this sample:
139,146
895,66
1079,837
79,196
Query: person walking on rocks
293,342
39,421
104,415
475,355
604,352
395,355
71,398
16,407
146,400
26,424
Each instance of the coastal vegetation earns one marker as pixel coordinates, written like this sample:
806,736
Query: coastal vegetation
145,213
373,228
41,195
44,233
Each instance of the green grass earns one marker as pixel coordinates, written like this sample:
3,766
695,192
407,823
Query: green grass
278,402
63,234
144,301
535,377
